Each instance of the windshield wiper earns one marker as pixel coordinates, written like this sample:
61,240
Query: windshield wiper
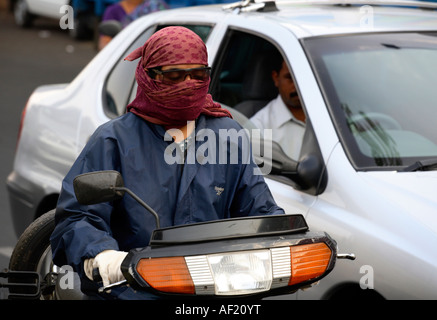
422,165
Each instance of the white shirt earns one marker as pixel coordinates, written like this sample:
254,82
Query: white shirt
286,129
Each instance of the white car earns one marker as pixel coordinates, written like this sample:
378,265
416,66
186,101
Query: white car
366,74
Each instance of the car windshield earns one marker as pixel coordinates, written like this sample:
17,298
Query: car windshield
382,96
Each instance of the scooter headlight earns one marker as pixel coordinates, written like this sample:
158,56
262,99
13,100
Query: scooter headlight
241,272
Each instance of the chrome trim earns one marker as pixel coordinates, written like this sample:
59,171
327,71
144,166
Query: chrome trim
201,274
281,266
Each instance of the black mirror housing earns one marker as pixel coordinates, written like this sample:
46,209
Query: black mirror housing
97,187
311,172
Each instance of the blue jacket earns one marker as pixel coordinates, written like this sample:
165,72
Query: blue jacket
180,193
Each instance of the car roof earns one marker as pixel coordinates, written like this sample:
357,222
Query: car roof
318,18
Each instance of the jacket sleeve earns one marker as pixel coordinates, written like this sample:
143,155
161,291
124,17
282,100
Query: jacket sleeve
252,195
82,232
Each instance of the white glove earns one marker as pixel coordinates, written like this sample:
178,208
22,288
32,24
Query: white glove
108,263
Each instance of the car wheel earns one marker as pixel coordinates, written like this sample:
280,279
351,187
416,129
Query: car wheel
33,253
21,14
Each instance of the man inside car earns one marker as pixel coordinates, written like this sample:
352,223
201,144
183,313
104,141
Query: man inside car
284,114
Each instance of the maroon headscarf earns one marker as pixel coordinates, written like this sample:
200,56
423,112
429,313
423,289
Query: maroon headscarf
172,105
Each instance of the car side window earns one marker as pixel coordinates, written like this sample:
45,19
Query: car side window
240,70
118,86
252,77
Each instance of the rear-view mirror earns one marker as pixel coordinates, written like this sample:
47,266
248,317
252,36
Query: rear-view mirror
97,187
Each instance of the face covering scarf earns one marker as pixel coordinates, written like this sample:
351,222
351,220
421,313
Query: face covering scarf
172,105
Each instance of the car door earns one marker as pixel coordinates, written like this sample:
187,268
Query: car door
244,40
234,66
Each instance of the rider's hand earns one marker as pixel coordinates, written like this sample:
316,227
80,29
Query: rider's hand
108,263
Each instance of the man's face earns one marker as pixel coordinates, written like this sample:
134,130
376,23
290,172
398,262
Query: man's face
286,87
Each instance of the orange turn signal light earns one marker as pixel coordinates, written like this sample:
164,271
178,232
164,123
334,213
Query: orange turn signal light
308,261
167,274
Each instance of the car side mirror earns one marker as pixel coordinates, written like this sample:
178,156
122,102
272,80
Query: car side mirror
110,28
99,186
305,173
310,171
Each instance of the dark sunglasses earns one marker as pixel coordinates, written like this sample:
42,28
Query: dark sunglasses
179,75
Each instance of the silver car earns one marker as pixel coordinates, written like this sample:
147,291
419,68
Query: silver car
366,74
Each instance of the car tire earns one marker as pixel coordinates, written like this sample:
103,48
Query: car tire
22,16
32,251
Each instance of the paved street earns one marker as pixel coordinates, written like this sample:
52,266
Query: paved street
44,54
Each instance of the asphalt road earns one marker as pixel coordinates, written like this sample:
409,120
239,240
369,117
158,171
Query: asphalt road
43,54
